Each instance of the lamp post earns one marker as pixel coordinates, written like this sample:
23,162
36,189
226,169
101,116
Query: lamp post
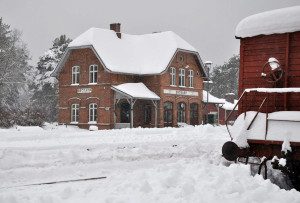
208,65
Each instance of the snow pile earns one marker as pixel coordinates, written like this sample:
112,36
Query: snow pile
281,127
135,54
141,165
271,22
136,90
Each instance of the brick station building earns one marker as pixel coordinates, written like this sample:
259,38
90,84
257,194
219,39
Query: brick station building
111,80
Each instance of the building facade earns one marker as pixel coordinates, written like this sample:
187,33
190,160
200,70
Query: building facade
96,90
217,110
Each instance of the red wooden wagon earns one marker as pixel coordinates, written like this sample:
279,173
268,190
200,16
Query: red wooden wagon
269,88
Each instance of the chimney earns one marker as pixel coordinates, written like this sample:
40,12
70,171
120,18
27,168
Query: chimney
117,28
229,97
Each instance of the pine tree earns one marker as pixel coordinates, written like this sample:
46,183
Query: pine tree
45,97
14,58
225,77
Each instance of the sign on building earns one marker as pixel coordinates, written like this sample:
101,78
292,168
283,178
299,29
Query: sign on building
181,92
84,90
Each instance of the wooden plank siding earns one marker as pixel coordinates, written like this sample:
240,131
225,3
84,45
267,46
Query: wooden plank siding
254,53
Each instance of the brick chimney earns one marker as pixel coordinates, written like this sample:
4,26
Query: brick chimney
229,97
117,28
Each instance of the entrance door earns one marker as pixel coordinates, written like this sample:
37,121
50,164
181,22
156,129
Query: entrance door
194,116
211,119
125,112
168,114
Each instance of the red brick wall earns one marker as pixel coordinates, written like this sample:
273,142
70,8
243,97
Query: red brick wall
104,96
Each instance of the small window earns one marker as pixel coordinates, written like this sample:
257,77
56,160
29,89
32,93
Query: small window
75,74
93,112
74,113
181,58
191,78
181,77
173,76
93,74
181,112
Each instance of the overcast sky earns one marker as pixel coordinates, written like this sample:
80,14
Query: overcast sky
207,25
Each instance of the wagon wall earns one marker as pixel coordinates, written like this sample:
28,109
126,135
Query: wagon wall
254,53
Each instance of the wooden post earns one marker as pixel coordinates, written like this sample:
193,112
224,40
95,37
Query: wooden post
155,106
131,113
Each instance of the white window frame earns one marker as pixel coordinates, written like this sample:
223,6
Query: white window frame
93,74
181,77
191,78
173,76
75,75
93,113
74,113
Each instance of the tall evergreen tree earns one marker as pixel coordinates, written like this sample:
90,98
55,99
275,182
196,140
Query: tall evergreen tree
225,77
14,66
45,97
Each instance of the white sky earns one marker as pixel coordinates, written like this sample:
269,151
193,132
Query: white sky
208,25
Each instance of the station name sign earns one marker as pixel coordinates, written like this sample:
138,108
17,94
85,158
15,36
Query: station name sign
181,92
84,90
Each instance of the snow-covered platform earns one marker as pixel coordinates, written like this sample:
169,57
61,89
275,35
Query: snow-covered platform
141,165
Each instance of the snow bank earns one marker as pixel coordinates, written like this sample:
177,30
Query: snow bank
271,22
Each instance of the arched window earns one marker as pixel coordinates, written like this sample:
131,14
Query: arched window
75,74
93,74
74,113
194,115
93,112
168,114
181,77
191,78
173,76
181,112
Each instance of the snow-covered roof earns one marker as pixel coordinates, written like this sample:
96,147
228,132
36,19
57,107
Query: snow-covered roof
229,106
135,91
221,102
274,90
133,54
283,20
211,99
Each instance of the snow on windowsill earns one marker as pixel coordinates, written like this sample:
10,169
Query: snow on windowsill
92,122
77,84
74,123
94,83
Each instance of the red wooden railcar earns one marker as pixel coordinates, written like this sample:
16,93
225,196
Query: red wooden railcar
269,81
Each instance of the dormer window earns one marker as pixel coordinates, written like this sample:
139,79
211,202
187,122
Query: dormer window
173,76
75,75
191,78
181,77
93,74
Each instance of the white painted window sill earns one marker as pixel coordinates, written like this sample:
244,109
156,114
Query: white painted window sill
77,84
92,83
74,122
173,85
182,86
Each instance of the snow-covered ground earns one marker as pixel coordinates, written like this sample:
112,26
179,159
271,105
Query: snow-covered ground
140,165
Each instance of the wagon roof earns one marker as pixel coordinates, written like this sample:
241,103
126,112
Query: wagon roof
277,21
